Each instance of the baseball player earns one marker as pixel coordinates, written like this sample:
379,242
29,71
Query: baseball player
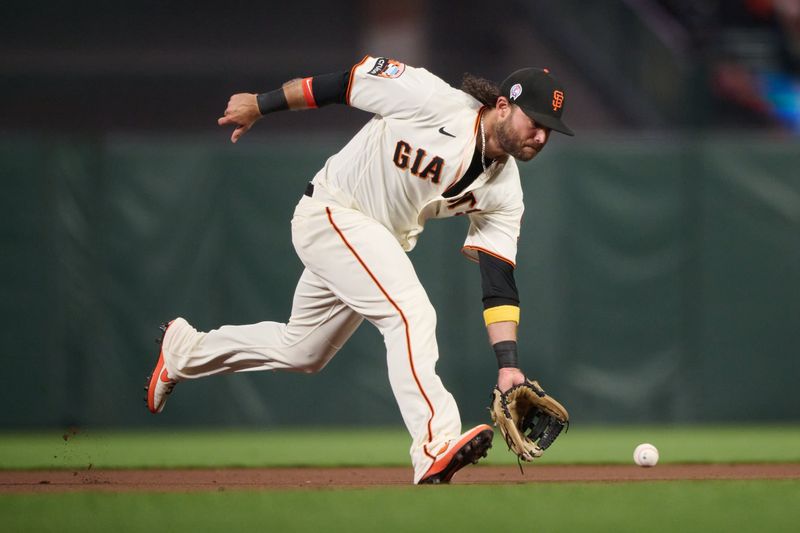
430,151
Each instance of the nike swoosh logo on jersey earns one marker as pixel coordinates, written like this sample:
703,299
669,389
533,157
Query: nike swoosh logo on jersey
441,130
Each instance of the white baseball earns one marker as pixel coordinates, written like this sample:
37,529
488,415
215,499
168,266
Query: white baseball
645,454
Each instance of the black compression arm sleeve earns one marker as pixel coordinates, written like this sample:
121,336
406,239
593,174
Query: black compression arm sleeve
497,281
331,88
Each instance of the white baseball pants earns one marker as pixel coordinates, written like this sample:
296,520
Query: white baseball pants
355,269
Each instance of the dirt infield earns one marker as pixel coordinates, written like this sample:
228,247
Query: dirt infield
320,478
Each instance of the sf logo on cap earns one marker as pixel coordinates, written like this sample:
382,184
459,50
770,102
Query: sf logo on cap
558,100
516,90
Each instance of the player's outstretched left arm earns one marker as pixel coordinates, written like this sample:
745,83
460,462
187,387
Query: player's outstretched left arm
245,109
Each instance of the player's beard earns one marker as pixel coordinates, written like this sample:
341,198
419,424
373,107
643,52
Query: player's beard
513,144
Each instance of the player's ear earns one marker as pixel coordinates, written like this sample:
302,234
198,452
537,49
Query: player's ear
503,106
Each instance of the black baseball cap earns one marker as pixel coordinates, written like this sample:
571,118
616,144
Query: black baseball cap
539,95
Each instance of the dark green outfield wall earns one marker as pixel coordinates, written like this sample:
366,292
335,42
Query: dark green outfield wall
660,281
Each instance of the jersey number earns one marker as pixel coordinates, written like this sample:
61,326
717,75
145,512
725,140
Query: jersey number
433,166
468,201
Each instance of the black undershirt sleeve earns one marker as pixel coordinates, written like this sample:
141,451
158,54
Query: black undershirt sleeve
330,88
497,281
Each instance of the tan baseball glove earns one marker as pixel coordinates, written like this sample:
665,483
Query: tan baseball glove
528,418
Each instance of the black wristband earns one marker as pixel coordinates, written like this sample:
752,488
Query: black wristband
272,101
506,353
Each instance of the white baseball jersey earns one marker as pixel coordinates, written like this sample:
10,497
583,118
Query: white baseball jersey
418,145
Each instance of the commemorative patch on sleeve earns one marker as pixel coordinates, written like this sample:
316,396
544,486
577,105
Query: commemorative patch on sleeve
387,68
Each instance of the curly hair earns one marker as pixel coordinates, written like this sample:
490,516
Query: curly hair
485,91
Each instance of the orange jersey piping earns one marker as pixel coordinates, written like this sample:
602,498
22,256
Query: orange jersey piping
350,81
484,250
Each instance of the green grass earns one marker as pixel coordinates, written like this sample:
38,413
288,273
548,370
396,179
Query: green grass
384,447
707,506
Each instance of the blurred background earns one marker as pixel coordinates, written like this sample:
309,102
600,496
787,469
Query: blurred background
659,264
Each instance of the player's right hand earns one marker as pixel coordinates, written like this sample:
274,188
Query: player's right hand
242,111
